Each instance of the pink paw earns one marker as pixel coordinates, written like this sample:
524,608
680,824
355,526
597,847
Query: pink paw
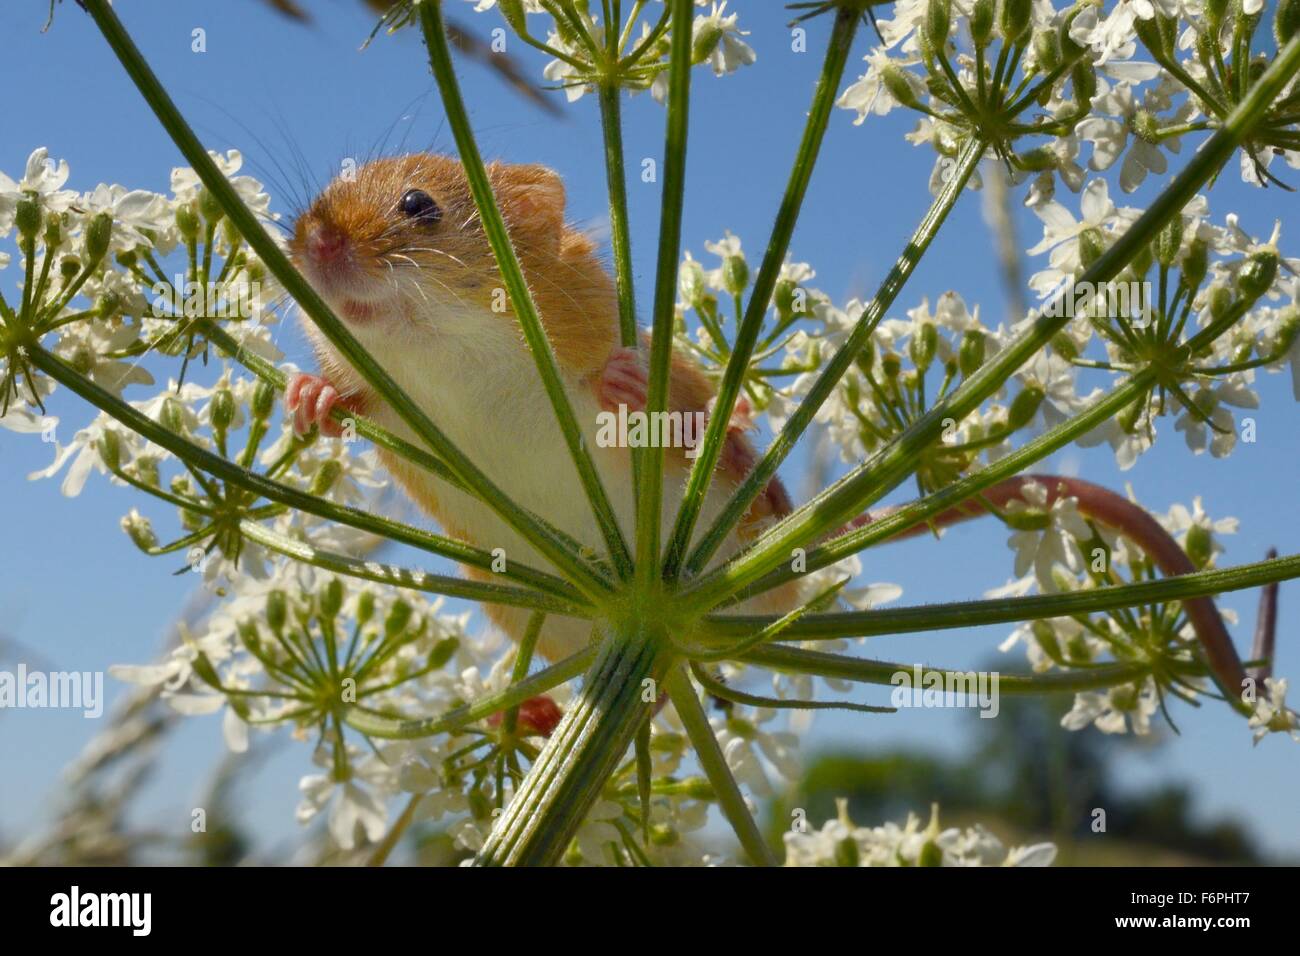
623,381
310,399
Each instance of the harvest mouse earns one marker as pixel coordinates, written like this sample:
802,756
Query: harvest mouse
398,251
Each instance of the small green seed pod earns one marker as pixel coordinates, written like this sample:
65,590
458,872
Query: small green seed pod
1025,406
1013,19
1286,20
938,21
981,22
1196,263
1169,241
98,233
277,611
1257,274
330,598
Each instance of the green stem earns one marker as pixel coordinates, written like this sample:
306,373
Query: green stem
619,231
837,666
883,471
697,488
650,496
839,363
412,728
494,227
315,307
582,753
952,496
725,788
395,576
935,617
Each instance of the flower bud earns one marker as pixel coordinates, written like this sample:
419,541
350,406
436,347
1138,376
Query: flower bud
891,364
1092,244
1286,20
970,356
1169,241
1200,545
512,11
146,470
1257,274
326,476
1084,79
1045,635
187,222
922,346
399,615
735,274
98,231
931,855
365,607
1047,49
172,415
1013,19
896,82
705,40
140,531
69,266
330,598
1065,346
223,409
938,20
53,230
1221,298
1149,32
209,207
847,852
1196,262
1025,406
277,607
690,282
1070,49
981,22
1037,160
110,449
783,296
442,652
263,402
27,217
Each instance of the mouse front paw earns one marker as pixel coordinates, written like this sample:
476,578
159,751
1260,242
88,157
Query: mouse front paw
310,399
623,381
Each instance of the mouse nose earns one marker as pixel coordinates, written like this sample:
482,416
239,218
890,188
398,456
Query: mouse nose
325,244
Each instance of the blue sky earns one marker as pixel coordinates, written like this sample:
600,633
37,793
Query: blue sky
75,593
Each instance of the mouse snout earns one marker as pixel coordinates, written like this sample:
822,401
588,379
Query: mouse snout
326,245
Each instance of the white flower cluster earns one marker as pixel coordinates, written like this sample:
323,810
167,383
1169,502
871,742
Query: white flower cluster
840,842
578,42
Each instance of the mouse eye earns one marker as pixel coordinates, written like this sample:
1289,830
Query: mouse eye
417,204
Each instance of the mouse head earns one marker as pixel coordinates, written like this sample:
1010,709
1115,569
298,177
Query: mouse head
400,239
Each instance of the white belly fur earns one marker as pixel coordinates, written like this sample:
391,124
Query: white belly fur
479,384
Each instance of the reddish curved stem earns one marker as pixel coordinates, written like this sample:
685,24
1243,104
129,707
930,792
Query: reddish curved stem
1265,628
1115,511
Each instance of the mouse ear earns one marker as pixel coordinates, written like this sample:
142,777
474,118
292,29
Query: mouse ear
531,198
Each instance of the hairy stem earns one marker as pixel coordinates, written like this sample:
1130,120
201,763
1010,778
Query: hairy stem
494,227
697,488
582,753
